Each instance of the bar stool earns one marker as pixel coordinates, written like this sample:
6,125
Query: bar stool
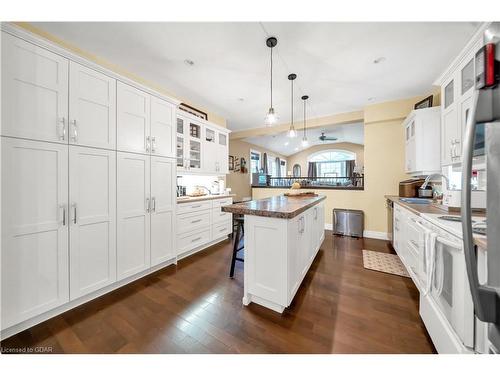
240,234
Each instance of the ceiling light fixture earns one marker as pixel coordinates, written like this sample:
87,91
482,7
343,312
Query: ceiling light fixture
305,142
271,117
292,133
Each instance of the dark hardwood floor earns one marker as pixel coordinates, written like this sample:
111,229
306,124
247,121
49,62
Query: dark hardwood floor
195,308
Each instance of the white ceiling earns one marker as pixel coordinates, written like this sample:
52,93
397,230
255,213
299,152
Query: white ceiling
333,61
282,144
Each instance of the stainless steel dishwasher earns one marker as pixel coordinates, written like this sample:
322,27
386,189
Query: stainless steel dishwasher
348,222
390,219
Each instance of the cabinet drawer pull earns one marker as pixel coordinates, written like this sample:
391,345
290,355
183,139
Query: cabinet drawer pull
196,206
196,221
414,243
196,239
222,230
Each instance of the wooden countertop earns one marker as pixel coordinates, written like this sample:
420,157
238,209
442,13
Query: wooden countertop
280,207
203,198
418,209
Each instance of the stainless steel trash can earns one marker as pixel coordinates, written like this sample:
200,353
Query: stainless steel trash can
348,222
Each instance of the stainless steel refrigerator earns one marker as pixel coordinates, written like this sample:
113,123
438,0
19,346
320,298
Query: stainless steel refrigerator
483,131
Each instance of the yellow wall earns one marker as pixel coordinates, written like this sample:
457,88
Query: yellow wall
240,182
384,165
301,157
212,117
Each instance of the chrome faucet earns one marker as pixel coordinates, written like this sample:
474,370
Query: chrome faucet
428,178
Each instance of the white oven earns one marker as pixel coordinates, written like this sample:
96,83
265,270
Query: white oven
446,308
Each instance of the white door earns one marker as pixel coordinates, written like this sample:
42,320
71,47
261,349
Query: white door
34,228
133,115
133,219
163,117
92,219
92,107
34,92
163,202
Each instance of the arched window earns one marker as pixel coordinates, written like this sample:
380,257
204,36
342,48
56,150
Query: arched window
332,163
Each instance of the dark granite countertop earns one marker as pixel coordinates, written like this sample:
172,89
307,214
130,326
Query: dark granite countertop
280,206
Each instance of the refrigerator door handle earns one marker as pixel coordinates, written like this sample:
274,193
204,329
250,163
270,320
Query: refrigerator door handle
485,298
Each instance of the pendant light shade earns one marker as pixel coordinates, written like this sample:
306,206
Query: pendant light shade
292,133
271,117
305,142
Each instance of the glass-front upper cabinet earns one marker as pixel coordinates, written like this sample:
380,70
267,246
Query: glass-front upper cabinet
222,139
449,94
467,76
181,159
194,160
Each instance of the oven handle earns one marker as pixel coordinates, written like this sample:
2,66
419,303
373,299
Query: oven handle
486,301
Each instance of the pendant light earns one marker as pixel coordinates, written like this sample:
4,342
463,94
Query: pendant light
271,117
305,142
292,133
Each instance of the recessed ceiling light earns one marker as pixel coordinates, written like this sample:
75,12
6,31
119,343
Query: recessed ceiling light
378,60
189,62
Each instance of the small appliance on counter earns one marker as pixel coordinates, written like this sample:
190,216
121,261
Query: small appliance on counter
425,192
181,191
409,188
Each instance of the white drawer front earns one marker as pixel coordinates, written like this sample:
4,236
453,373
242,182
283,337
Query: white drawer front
190,221
222,202
190,241
218,216
193,207
222,229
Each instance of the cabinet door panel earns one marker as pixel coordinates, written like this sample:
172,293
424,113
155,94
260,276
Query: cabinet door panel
34,91
163,172
34,235
133,115
133,219
92,108
449,129
93,219
162,127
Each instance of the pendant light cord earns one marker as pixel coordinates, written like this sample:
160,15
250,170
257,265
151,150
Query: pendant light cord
272,77
304,119
292,104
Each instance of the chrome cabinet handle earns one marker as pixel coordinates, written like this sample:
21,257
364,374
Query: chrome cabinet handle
485,298
62,121
148,206
147,143
196,221
222,230
74,213
63,206
153,144
414,243
196,239
153,204
457,148
196,206
75,131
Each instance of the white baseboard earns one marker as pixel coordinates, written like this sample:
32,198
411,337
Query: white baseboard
376,235
366,233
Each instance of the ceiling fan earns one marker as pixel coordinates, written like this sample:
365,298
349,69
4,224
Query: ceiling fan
324,138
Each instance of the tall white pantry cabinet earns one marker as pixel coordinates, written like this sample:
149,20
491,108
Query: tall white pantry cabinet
88,182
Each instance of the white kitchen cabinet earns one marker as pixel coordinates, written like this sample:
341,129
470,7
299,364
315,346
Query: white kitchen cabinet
92,108
278,254
34,228
133,119
34,92
162,138
222,152
163,202
133,218
92,219
456,91
422,141
190,152
210,150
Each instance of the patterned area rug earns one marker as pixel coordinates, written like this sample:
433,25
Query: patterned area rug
383,262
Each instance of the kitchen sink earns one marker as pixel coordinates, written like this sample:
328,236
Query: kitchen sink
416,200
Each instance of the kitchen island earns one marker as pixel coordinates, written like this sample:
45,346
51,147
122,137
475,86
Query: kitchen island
282,237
